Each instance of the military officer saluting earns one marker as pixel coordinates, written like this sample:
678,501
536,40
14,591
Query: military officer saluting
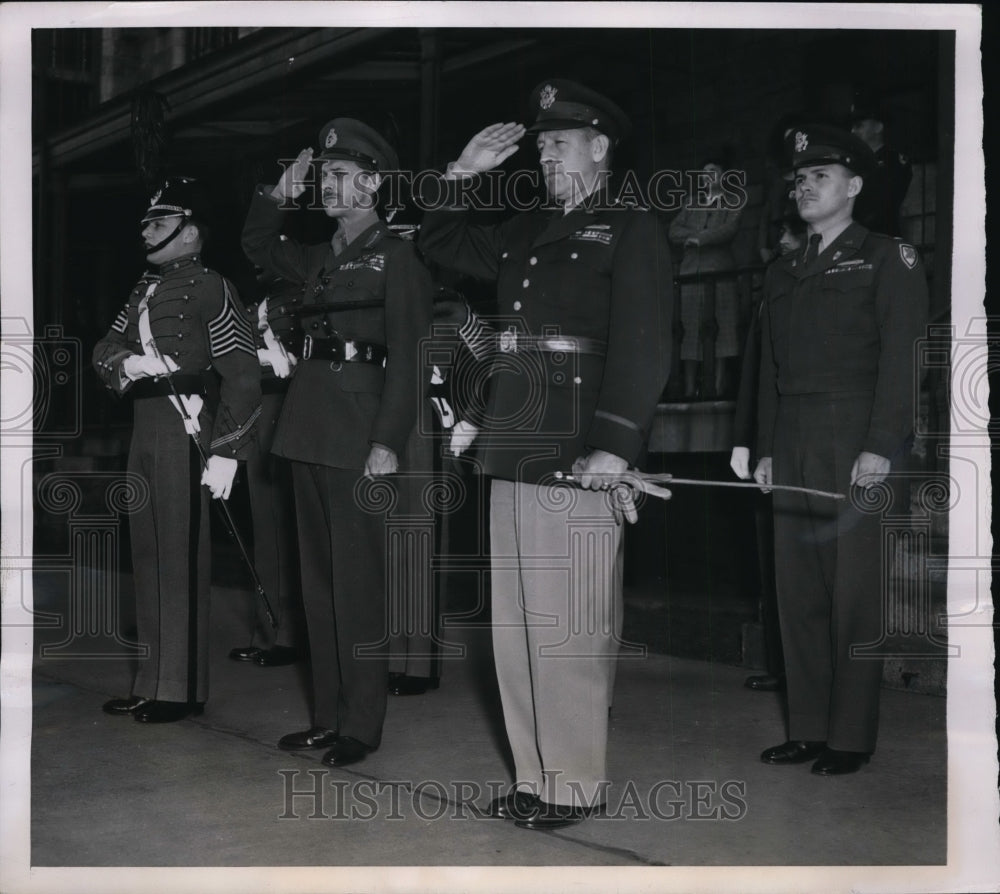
837,385
584,293
182,350
347,416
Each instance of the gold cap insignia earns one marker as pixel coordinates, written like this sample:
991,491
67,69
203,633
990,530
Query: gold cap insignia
548,96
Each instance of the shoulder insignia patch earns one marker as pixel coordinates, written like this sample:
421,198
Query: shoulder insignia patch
908,254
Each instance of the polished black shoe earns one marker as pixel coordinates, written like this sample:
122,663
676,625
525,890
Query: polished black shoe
765,683
346,751
124,706
167,712
514,806
793,752
838,763
315,737
244,653
277,656
407,685
553,816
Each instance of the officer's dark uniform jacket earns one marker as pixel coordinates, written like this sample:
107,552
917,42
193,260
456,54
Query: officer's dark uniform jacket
196,319
845,324
345,407
602,274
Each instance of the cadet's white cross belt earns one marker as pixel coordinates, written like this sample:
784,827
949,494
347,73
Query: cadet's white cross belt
192,402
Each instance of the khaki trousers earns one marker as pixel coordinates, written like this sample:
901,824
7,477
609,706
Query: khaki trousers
557,618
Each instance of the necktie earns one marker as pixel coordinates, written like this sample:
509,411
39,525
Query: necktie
812,250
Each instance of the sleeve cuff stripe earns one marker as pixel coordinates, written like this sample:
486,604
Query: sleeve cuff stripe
617,420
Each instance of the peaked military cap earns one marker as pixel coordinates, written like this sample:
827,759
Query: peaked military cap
355,141
179,197
821,144
558,104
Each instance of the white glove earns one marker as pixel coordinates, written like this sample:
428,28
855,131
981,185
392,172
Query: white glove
144,366
462,436
281,362
192,405
218,476
739,462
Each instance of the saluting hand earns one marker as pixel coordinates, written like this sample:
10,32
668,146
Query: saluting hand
491,147
293,182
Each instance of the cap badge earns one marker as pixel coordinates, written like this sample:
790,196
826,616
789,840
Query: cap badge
548,96
909,255
801,141
156,198
331,139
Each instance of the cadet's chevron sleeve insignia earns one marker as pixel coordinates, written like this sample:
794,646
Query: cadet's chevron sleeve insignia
230,330
121,321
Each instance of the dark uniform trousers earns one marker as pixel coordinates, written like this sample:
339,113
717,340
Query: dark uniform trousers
171,550
342,551
837,379
600,273
828,572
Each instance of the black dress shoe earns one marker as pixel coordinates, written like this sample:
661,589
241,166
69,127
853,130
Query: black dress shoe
168,712
244,653
407,685
553,816
838,763
346,751
515,805
315,737
124,706
277,656
793,752
766,683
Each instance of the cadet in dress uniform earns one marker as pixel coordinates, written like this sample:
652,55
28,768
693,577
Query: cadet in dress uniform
836,407
585,296
185,321
269,485
347,416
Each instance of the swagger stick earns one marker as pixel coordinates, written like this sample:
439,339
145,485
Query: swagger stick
223,506
647,482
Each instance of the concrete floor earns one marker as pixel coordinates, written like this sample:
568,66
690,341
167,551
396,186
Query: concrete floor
687,788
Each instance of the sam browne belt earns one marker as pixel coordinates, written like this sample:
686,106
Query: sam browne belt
344,351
